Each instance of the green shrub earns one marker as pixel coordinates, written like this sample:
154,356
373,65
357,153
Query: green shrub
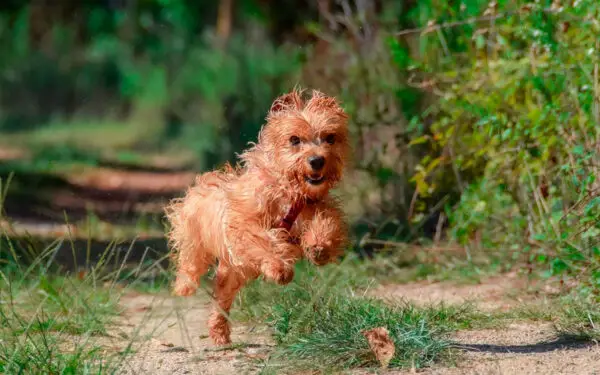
515,129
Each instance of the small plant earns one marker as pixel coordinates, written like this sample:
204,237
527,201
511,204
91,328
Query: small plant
52,322
319,318
513,132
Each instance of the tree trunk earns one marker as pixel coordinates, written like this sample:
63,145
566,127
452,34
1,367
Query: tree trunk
224,20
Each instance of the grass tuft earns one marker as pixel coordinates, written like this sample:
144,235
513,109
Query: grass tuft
52,323
332,334
318,319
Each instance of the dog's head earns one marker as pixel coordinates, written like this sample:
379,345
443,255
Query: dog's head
305,141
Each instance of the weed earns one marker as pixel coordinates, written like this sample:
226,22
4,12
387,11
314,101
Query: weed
318,319
51,322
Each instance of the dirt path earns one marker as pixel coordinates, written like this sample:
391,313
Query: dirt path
495,293
179,344
520,348
523,348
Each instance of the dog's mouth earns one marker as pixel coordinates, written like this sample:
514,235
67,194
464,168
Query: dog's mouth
318,180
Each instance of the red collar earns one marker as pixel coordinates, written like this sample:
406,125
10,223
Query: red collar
290,218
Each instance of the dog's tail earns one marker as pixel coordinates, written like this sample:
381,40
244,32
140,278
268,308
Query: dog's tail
175,222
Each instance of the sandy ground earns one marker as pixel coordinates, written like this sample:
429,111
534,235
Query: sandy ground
179,344
522,348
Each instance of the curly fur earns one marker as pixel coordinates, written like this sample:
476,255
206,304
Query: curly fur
233,215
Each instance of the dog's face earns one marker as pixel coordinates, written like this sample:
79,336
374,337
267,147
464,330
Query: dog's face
306,141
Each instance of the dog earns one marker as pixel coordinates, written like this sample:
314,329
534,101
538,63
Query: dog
270,210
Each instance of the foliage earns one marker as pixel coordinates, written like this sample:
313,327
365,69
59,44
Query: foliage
484,116
156,68
514,128
318,319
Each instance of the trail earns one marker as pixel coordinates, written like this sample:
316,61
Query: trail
179,343
176,327
522,347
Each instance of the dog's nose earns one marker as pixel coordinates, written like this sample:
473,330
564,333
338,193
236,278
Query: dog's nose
316,162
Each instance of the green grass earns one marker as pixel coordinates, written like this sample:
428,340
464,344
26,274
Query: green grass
318,319
66,323
404,265
91,135
62,145
53,324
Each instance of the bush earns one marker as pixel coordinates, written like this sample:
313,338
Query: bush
515,129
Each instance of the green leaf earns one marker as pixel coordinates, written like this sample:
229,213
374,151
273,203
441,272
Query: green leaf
419,140
578,150
559,266
385,174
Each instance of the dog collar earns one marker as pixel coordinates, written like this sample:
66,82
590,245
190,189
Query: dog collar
290,218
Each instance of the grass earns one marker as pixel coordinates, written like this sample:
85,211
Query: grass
63,145
56,323
51,323
92,135
59,322
318,319
402,264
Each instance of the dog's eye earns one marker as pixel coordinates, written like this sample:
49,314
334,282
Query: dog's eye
295,141
330,139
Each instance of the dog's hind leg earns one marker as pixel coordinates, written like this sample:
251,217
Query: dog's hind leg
227,283
191,265
191,257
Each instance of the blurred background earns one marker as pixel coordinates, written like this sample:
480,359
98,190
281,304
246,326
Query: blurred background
475,123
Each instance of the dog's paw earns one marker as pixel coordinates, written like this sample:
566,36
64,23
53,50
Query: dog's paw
317,255
320,255
278,271
184,288
221,340
219,337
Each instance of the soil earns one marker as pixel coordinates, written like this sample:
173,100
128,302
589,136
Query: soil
520,348
179,344
496,293
177,326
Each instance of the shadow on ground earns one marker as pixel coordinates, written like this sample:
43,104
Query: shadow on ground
566,342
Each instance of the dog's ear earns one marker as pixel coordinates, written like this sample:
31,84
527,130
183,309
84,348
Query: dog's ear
286,102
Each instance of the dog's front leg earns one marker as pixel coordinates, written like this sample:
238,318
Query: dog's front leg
267,252
324,233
